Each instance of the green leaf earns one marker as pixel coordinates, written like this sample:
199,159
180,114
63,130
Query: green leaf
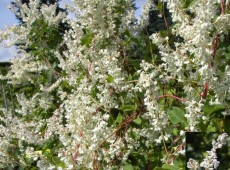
175,131
110,79
56,160
32,168
176,115
127,108
94,91
227,56
163,33
209,109
119,118
187,3
136,40
179,163
137,120
226,125
159,168
25,89
160,6
128,167
211,128
170,167
87,38
127,33
117,21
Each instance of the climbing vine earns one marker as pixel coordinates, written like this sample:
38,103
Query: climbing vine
112,92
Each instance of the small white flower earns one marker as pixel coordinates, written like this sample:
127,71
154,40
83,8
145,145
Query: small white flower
192,164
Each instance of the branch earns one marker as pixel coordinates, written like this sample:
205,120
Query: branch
4,96
172,96
222,7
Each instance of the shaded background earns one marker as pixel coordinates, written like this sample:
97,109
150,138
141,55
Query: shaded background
197,143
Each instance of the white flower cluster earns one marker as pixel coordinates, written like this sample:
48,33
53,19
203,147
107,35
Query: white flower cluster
210,162
157,118
144,21
193,110
193,164
31,12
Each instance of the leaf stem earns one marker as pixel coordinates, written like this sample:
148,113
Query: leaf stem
172,96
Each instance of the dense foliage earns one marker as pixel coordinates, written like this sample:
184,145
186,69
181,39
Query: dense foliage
110,92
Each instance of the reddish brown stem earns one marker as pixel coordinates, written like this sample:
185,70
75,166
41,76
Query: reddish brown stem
165,20
179,148
222,7
205,91
172,96
215,44
76,154
148,168
90,66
